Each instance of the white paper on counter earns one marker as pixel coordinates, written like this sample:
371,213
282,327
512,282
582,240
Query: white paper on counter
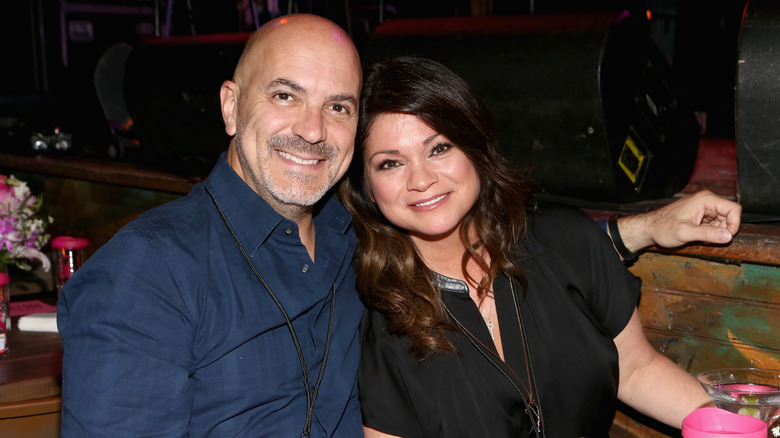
38,322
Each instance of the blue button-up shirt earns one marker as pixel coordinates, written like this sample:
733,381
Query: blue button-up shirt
168,333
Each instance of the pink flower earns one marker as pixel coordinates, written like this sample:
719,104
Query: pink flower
5,189
21,231
6,192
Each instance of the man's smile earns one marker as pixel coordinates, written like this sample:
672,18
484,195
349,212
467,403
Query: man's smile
298,160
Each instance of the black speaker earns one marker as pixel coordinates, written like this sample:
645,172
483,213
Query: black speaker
758,108
587,100
30,101
171,86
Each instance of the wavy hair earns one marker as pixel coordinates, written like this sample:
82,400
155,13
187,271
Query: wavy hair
391,276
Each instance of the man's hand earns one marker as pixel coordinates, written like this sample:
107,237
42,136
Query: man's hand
701,217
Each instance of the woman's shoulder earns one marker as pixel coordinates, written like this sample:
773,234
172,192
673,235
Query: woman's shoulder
381,348
373,328
559,223
373,321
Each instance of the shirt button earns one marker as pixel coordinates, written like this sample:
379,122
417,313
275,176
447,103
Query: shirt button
288,231
305,268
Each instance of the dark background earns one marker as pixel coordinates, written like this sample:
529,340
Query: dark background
47,72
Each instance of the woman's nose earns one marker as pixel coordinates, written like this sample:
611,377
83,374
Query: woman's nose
421,177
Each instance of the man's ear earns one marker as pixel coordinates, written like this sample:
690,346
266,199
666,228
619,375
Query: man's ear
228,97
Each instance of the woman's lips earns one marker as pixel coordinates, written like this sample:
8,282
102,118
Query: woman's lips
430,202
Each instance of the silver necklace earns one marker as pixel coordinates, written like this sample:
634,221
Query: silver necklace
488,321
490,327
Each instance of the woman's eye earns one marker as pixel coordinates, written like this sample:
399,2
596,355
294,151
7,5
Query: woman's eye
387,164
439,148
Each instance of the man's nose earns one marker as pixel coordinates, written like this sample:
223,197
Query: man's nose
310,126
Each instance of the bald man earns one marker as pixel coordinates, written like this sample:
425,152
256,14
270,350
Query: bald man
232,311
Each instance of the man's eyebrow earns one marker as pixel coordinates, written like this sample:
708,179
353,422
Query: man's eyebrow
287,83
344,98
284,82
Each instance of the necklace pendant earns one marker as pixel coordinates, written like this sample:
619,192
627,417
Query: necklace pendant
490,327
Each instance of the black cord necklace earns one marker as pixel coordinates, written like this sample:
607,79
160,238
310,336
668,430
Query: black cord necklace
311,396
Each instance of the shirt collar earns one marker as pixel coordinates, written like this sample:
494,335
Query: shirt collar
251,218
449,284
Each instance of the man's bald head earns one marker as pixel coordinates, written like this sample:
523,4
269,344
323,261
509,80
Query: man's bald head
292,110
292,33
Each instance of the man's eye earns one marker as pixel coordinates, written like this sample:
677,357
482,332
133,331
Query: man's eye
283,96
339,108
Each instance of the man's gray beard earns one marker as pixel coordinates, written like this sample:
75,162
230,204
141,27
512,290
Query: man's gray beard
295,193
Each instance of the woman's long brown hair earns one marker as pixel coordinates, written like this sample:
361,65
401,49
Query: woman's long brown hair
391,276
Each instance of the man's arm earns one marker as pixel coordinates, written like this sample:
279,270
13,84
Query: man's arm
126,337
701,217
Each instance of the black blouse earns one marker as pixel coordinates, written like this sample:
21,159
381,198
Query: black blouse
579,296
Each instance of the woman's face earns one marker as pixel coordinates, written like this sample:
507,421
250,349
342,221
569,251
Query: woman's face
420,181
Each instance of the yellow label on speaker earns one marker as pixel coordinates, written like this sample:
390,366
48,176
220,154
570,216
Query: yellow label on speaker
632,160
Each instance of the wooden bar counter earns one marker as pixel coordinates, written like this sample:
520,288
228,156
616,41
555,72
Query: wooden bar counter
30,385
708,307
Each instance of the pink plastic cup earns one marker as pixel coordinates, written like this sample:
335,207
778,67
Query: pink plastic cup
67,257
719,423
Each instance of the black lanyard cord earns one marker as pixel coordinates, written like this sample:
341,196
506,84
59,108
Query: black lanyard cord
488,354
533,410
310,397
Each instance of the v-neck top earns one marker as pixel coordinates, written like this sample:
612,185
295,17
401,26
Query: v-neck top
579,296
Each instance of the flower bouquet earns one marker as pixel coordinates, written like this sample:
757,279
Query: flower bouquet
21,232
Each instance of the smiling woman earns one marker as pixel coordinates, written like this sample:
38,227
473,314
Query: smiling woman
480,300
400,178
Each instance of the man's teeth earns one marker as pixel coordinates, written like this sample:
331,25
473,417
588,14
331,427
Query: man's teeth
432,201
295,159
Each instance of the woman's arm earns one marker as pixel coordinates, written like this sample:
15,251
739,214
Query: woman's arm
373,433
653,384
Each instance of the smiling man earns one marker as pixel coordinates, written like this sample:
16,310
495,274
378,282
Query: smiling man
223,313
292,108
